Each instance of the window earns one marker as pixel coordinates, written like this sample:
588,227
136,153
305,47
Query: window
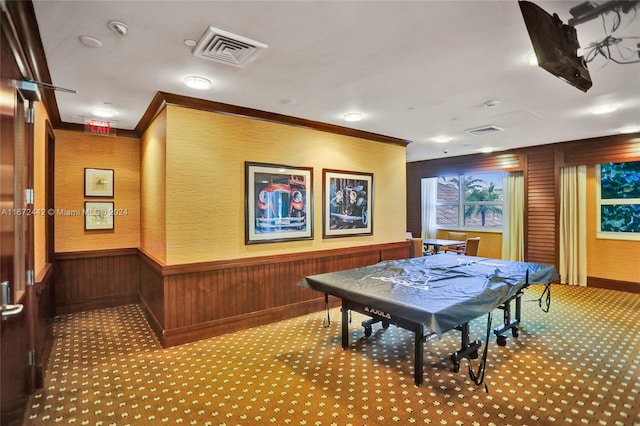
618,198
470,201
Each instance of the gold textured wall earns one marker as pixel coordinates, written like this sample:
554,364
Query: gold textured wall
73,152
611,259
153,194
39,186
205,164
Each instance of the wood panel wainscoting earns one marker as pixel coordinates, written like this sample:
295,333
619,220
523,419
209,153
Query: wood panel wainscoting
44,291
97,279
185,303
608,284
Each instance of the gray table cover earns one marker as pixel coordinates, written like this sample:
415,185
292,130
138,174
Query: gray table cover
440,291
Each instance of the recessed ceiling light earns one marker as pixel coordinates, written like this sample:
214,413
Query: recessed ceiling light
491,104
104,112
198,83
442,139
605,109
353,116
90,41
190,43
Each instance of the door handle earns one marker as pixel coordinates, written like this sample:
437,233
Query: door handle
7,309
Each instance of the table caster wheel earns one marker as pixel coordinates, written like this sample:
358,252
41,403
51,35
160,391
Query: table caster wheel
367,331
514,332
456,362
501,340
385,324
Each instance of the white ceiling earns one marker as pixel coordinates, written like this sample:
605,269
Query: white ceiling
415,69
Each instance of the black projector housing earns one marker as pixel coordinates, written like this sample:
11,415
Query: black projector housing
555,45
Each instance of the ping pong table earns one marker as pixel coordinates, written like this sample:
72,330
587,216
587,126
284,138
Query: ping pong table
432,295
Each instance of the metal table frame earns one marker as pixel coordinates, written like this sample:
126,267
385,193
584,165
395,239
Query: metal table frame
467,349
381,311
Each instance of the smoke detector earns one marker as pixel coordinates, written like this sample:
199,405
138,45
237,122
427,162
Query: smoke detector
227,48
118,27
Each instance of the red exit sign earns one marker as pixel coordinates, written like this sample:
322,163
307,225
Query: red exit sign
99,127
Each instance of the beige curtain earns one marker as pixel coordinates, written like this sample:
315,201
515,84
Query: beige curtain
513,217
429,197
573,225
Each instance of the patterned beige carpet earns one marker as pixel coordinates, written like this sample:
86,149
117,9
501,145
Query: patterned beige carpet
576,365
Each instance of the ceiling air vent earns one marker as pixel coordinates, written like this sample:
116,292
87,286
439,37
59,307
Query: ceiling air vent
485,130
228,48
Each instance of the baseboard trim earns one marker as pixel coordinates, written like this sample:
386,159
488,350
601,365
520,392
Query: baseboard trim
155,325
179,336
609,284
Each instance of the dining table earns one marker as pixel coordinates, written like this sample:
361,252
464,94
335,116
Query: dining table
436,243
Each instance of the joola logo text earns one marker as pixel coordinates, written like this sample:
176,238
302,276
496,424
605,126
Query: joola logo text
377,312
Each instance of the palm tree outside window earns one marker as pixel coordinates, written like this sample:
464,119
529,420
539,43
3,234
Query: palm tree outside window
470,201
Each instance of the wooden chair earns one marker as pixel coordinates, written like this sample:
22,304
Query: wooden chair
458,236
470,248
415,249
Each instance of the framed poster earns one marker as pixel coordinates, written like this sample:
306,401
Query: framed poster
347,203
278,203
618,201
98,215
98,183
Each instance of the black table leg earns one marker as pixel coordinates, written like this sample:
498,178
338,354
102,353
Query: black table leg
419,355
345,325
467,350
386,319
507,322
326,307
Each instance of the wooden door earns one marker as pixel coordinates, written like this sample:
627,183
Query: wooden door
16,246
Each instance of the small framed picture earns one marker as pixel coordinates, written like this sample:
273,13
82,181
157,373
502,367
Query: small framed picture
347,203
278,203
98,215
98,182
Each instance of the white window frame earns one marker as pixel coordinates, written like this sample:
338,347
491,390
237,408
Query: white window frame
461,203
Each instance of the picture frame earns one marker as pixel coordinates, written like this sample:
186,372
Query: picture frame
278,203
617,201
98,182
98,215
347,203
